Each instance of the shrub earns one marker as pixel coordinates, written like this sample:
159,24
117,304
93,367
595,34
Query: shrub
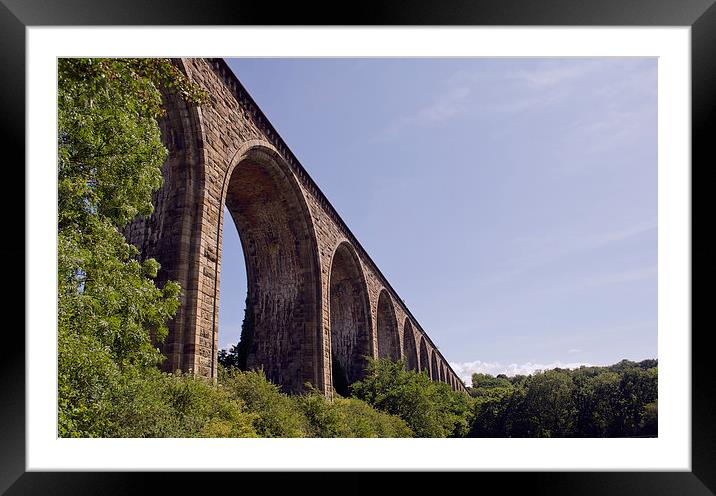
276,413
322,417
348,418
359,419
156,404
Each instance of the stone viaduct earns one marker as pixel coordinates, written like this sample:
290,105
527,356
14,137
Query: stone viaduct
320,303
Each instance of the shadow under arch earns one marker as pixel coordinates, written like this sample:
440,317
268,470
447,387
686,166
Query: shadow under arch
279,247
387,328
424,360
349,324
435,375
409,349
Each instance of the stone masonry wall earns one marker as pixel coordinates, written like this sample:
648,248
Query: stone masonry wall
184,234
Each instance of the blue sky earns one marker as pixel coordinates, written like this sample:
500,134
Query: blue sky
512,203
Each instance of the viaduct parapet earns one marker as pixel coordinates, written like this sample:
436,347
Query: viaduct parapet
320,303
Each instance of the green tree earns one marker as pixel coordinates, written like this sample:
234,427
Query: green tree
637,388
548,404
109,162
595,398
237,355
649,421
614,401
488,381
490,407
241,350
431,409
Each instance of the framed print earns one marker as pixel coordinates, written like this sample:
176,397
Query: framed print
676,39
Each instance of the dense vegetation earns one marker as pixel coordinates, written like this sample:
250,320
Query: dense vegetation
615,401
109,163
111,314
431,409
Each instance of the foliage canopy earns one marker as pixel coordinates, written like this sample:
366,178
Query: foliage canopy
109,163
615,401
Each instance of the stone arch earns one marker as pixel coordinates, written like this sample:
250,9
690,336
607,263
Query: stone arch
410,352
349,325
387,328
292,335
173,244
441,372
279,246
435,375
424,361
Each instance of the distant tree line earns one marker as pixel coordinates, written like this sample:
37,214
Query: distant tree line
615,401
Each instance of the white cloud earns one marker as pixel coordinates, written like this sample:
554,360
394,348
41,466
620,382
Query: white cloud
573,350
466,369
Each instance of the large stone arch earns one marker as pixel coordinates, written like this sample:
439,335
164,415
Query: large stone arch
435,374
410,351
387,328
217,150
424,361
173,240
279,247
349,310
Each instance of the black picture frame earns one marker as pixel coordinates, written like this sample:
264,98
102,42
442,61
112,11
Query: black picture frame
16,15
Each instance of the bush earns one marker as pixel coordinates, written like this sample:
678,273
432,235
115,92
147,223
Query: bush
348,418
276,413
430,409
359,419
156,404
322,417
